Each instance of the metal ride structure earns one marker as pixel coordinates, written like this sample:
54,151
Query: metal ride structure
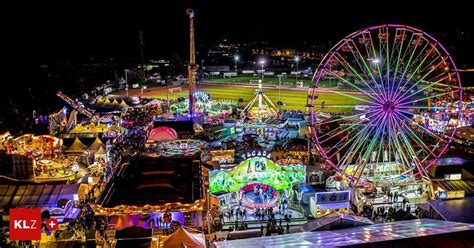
192,68
77,107
389,75
264,109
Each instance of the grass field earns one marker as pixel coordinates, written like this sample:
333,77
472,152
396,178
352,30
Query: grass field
273,80
293,100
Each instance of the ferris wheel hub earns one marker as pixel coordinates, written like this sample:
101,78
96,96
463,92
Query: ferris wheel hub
389,107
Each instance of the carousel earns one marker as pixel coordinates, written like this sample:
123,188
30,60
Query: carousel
256,195
204,105
48,160
29,145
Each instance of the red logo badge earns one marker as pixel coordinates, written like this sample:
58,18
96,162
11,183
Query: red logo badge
52,224
25,224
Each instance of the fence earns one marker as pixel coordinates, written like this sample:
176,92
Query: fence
275,82
173,90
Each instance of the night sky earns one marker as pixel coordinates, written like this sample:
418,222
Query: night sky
63,35
111,30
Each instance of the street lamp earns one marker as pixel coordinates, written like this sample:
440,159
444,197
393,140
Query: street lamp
374,61
279,87
202,70
236,59
297,59
126,81
262,62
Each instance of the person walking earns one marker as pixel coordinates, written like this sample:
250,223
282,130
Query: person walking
221,217
150,223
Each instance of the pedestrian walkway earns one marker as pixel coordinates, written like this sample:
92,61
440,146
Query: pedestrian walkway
252,222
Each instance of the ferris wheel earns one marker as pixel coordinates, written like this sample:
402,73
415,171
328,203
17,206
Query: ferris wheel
392,92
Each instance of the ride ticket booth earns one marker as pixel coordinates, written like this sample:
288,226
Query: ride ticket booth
324,203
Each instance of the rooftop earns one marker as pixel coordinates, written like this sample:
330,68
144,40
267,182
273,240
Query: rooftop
155,181
394,231
455,209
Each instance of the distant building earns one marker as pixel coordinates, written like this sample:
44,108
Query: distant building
287,53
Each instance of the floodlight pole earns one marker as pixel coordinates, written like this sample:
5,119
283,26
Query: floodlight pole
279,87
126,81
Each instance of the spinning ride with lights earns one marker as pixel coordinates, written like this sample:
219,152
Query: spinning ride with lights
260,107
388,74
203,104
252,198
185,147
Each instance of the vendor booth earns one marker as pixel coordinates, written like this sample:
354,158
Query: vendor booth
324,203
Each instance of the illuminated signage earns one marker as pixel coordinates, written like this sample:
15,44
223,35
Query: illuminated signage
256,154
332,197
455,194
223,156
25,224
452,177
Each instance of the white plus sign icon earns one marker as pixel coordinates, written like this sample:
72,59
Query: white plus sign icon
52,224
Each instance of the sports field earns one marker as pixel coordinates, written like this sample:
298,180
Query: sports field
293,100
290,80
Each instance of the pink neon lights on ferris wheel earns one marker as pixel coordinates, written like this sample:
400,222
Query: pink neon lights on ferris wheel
391,99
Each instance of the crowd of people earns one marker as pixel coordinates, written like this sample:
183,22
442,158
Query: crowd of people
162,222
233,214
274,228
262,192
386,213
262,213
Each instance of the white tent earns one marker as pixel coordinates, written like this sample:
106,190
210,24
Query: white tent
184,238
96,145
76,147
123,105
115,103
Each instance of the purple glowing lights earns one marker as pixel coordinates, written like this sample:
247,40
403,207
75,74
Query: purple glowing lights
392,69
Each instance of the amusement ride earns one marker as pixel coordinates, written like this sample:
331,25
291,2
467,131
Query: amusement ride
395,73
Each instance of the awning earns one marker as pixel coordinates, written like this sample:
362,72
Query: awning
466,185
411,233
335,205
72,215
41,196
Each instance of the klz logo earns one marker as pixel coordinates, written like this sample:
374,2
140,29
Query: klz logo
25,224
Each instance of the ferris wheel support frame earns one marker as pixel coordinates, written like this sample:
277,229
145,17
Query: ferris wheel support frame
391,84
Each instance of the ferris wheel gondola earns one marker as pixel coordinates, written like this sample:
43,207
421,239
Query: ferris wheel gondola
395,72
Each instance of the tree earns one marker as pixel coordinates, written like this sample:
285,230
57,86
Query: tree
140,76
176,67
